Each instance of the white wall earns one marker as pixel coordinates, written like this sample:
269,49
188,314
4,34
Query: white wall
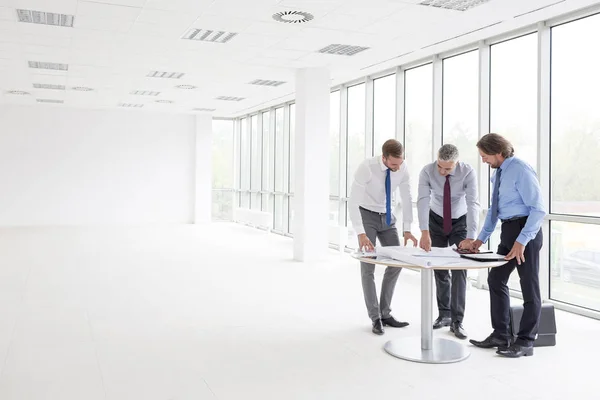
89,167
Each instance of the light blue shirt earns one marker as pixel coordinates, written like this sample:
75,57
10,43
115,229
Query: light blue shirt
519,195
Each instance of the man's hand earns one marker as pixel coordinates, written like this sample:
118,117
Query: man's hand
518,252
409,236
466,244
476,245
425,242
364,244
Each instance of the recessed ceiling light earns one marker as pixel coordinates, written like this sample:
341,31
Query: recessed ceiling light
48,86
48,65
342,49
459,5
131,105
262,82
188,87
18,92
82,88
45,18
53,101
230,98
144,93
165,101
163,74
205,109
293,17
205,35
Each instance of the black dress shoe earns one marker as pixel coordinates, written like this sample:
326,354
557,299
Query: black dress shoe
440,322
491,342
378,327
393,323
515,351
458,330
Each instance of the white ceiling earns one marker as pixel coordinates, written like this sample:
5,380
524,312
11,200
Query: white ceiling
114,44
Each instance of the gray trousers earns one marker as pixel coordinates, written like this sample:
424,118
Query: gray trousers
451,291
376,228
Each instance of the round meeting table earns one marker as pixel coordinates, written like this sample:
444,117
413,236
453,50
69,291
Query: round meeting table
427,349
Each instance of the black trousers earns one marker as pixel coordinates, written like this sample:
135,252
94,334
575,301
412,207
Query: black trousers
451,287
529,274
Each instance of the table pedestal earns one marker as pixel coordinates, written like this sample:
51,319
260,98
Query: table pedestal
426,349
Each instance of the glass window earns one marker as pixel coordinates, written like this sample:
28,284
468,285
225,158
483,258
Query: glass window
356,131
245,164
575,139
513,94
267,161
418,121
255,168
222,169
334,144
575,264
461,105
384,111
292,149
279,166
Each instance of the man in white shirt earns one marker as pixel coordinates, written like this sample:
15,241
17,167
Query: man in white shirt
448,209
375,180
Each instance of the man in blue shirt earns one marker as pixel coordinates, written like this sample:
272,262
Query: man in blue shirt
517,202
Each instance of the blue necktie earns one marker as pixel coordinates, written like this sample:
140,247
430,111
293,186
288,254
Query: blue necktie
388,200
495,195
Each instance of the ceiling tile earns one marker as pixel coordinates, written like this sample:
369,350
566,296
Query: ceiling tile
8,14
102,24
107,11
55,6
128,3
221,23
162,17
197,6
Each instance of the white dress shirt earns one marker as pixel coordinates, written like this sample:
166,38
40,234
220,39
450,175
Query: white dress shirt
368,191
463,195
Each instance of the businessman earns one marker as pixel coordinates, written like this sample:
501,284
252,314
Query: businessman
448,209
370,208
517,202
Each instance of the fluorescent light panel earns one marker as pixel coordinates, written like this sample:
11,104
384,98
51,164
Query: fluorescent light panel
205,35
342,49
53,101
45,18
165,101
263,82
48,65
145,93
48,86
205,109
163,74
18,92
131,105
458,5
82,88
230,98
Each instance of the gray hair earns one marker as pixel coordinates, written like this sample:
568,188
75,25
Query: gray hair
448,152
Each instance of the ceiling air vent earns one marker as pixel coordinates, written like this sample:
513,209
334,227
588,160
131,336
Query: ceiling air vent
342,49
18,92
82,88
48,86
52,101
262,82
45,18
48,65
205,35
162,74
230,98
458,5
144,93
131,105
205,109
292,17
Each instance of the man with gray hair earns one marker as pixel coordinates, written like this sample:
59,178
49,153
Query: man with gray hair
448,210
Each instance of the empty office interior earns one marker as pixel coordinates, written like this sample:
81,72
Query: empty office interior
175,179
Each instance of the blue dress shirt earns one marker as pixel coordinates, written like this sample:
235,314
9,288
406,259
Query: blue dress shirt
519,195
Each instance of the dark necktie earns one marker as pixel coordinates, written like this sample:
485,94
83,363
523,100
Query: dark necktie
495,195
447,207
388,198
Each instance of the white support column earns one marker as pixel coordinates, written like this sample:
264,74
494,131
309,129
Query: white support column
438,103
483,129
203,200
311,147
369,112
543,113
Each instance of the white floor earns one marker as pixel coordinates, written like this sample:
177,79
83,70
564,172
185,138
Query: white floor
221,312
